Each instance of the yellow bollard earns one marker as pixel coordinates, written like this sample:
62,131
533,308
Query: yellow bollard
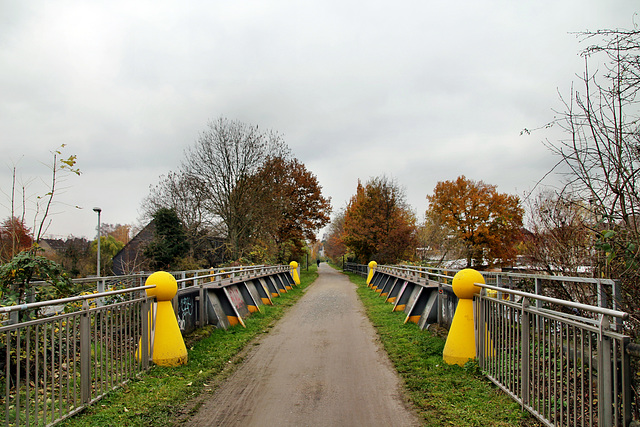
294,272
372,267
461,341
168,345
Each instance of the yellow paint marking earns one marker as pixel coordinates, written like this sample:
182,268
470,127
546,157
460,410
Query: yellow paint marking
412,319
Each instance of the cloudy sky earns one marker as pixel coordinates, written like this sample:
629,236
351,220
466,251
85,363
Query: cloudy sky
422,91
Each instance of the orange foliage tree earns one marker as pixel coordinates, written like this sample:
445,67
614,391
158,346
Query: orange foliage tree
378,223
289,207
15,237
488,223
334,247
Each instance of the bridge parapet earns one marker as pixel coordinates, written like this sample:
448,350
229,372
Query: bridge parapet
82,347
566,362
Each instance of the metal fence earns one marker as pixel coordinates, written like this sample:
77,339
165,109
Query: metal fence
58,356
566,362
354,267
51,368
568,368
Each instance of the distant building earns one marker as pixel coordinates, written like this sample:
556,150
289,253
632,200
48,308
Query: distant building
52,246
131,258
70,253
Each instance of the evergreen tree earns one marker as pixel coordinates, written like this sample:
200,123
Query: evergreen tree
169,243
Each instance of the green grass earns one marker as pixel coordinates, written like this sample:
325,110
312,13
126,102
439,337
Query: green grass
162,396
443,395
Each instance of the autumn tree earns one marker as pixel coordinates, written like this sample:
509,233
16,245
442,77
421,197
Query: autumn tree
77,258
601,154
563,233
27,266
219,167
177,191
488,223
289,205
17,276
119,232
15,237
61,167
379,224
436,244
240,183
334,247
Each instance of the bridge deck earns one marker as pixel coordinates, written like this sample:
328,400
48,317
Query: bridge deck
321,365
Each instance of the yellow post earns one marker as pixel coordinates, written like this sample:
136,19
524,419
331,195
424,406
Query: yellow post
294,272
168,345
372,267
461,341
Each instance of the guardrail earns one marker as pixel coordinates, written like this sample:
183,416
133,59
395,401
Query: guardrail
53,367
566,362
429,280
425,295
224,298
567,369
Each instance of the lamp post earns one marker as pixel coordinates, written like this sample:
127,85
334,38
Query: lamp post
98,210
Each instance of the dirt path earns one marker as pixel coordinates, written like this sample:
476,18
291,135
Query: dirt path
321,365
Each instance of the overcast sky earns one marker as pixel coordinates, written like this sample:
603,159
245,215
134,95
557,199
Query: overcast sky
422,91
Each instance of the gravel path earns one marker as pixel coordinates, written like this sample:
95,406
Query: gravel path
321,365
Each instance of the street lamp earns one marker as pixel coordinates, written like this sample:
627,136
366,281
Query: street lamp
98,210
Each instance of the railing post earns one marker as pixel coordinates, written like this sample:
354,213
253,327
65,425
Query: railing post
85,353
604,374
100,289
146,333
524,352
480,328
603,298
616,297
440,294
626,381
203,316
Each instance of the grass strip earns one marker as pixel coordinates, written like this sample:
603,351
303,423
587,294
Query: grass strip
163,396
444,395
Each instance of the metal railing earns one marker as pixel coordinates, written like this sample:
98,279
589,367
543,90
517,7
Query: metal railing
354,267
568,368
566,362
52,367
186,279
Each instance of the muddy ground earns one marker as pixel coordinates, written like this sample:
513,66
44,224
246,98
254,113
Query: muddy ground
321,365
